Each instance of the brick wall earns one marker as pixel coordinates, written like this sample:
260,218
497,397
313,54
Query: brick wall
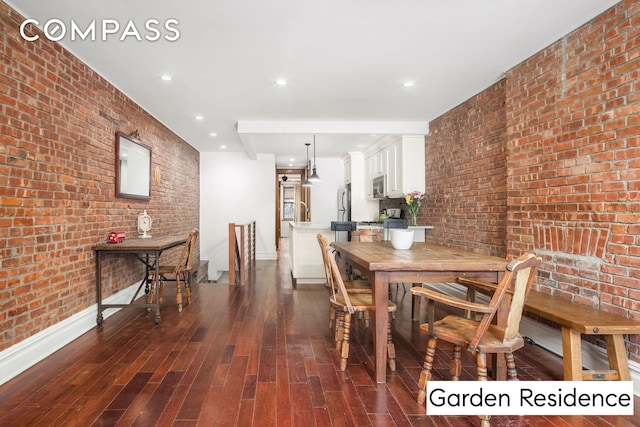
566,123
58,121
573,120
465,157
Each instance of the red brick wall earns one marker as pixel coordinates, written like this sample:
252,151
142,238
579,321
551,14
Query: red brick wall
573,117
465,157
58,121
568,131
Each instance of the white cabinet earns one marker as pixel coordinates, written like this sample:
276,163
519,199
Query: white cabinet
408,168
391,153
347,169
402,162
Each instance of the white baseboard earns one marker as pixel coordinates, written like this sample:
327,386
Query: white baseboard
20,357
593,357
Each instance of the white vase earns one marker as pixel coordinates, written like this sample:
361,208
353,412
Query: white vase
401,239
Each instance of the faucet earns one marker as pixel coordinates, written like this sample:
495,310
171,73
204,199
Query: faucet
306,208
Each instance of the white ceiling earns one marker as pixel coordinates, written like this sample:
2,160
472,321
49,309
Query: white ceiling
345,62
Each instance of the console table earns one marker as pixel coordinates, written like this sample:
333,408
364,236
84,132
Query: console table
146,251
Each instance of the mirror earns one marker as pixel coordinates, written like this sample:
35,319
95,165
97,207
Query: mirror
133,168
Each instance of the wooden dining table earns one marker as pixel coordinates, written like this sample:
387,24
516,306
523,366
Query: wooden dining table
422,263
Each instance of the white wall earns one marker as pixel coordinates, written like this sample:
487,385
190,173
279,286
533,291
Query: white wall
324,194
234,188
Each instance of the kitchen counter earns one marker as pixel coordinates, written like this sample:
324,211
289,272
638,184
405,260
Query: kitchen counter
308,226
304,252
419,234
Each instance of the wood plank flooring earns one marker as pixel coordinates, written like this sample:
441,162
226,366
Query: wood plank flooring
257,356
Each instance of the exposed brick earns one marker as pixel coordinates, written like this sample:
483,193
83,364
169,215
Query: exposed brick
566,123
57,189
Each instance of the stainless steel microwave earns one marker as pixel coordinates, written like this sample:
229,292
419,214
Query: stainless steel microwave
379,187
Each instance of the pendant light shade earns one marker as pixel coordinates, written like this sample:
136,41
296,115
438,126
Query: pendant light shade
314,176
306,182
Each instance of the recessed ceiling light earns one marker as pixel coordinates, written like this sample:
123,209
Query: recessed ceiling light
199,118
292,159
223,146
213,134
166,77
408,84
281,82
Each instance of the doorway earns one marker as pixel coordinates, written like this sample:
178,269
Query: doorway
292,200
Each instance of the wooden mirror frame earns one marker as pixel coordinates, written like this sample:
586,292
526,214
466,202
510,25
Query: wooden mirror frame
133,168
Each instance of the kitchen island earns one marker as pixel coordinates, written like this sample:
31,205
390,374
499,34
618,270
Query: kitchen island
304,251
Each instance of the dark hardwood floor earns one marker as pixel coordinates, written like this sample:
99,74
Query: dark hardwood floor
257,356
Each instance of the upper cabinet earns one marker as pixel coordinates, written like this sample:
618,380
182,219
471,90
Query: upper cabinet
408,173
401,161
347,169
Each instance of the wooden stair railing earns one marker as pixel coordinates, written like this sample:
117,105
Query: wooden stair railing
242,251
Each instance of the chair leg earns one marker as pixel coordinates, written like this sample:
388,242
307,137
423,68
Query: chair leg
344,353
187,287
391,349
161,290
481,360
178,293
511,367
152,288
332,316
456,364
425,375
339,334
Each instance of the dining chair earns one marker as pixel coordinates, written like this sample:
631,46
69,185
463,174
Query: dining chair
363,235
480,337
178,273
345,304
366,235
352,286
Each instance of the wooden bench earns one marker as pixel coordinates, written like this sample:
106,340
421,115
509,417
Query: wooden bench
576,319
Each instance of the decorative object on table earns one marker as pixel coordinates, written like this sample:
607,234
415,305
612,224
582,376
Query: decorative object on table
117,236
401,238
413,204
144,225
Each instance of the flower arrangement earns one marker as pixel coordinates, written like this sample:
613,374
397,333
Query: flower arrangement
413,204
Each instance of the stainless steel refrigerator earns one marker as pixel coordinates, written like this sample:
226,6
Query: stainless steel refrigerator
344,204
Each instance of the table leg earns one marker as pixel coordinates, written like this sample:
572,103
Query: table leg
380,291
99,318
571,354
156,297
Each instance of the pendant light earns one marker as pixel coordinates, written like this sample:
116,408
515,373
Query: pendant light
306,182
314,176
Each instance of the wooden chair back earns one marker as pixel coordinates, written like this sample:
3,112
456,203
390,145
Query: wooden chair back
516,282
334,278
185,260
366,235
